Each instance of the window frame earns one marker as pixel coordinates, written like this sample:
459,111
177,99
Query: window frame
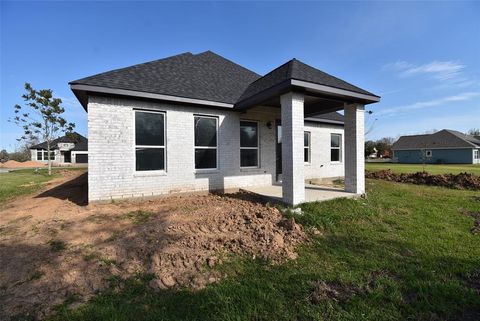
254,148
340,154
40,152
46,156
135,146
428,153
476,154
195,147
309,147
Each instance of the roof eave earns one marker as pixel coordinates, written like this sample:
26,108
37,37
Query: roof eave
309,87
82,91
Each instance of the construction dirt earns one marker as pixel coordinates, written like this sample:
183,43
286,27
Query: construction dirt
53,246
28,164
457,181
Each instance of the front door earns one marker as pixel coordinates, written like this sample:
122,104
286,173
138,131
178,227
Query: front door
67,157
278,151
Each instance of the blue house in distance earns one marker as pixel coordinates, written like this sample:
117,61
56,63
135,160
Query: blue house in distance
443,147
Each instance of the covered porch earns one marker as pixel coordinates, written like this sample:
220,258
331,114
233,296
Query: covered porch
313,193
301,91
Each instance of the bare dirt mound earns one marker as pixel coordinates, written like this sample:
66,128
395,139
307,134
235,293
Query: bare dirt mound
53,247
27,164
457,181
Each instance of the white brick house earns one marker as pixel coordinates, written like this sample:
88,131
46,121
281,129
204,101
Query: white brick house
200,122
66,150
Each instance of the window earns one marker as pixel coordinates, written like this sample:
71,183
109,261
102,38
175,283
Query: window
248,144
335,147
476,154
45,155
149,141
306,147
40,155
428,153
206,142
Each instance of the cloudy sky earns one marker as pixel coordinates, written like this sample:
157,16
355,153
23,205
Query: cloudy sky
422,58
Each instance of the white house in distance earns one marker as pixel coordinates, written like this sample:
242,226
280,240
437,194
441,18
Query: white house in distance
67,150
197,122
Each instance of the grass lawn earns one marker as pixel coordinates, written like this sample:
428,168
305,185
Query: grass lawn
405,253
432,169
24,181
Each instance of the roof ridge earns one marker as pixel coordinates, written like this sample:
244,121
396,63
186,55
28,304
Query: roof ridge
231,61
339,79
188,53
271,71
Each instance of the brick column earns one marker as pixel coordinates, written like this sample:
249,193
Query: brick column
354,148
293,179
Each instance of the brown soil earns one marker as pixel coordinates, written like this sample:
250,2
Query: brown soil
27,164
458,181
54,246
322,291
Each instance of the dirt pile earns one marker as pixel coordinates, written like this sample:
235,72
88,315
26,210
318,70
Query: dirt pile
54,247
26,164
457,181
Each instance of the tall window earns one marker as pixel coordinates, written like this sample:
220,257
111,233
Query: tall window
149,141
249,144
335,147
40,155
306,147
476,154
45,155
206,142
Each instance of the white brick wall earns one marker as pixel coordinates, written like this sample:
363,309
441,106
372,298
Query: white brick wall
293,182
320,165
112,173
354,148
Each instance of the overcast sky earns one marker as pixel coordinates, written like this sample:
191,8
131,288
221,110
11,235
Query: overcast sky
422,58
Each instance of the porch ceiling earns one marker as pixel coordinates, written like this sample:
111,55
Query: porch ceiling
313,105
319,99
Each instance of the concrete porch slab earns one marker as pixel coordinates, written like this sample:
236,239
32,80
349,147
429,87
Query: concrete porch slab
313,193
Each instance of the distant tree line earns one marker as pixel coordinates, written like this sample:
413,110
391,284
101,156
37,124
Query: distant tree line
379,148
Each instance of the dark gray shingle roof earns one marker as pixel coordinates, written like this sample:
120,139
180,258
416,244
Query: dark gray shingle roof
81,143
205,76
208,76
295,69
442,139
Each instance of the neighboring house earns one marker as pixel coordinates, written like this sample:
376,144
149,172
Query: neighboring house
69,149
443,147
196,122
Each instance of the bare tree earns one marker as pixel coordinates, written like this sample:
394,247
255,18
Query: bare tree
42,118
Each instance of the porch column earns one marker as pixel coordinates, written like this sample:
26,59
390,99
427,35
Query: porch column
293,179
354,148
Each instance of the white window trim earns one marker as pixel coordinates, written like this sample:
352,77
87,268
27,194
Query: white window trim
256,148
428,153
195,147
309,147
476,154
135,146
340,153
41,154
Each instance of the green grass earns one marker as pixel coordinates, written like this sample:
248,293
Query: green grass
404,253
431,168
138,217
25,181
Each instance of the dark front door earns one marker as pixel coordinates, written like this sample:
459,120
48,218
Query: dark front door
278,151
67,157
